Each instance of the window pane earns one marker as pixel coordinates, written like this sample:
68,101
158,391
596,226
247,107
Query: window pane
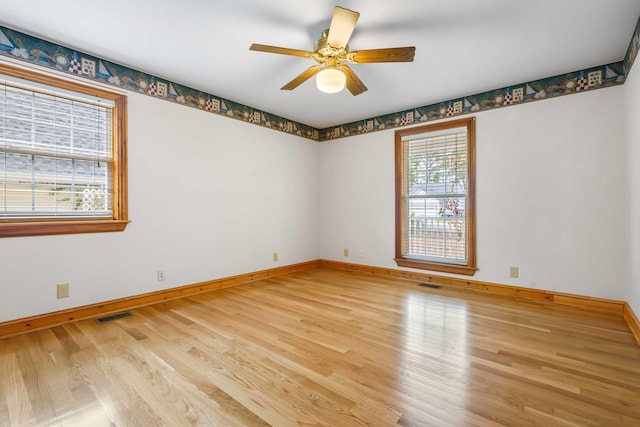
433,195
66,182
436,168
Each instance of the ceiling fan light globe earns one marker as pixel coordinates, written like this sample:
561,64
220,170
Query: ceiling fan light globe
331,80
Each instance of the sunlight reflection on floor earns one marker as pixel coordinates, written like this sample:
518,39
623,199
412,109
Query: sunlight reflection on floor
435,341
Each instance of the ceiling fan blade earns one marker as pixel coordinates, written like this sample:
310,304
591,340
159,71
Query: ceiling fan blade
302,77
281,50
342,25
394,54
354,84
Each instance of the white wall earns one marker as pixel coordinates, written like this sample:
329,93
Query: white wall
632,115
551,196
209,197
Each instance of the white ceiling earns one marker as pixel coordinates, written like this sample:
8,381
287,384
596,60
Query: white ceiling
463,47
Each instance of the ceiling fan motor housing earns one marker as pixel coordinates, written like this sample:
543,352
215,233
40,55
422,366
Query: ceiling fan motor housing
324,50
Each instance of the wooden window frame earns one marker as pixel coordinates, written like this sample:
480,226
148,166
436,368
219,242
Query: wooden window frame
119,219
470,267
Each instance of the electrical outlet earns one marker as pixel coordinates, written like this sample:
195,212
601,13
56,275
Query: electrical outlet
275,256
162,275
346,252
513,272
63,290
363,253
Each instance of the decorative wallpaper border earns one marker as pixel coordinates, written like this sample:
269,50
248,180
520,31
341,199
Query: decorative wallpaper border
564,84
50,55
632,50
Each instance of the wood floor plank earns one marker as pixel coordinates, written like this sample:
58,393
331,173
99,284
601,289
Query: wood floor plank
330,348
225,407
19,410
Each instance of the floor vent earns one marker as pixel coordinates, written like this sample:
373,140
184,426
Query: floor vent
114,317
429,285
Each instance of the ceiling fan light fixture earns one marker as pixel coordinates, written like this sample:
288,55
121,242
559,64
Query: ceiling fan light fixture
331,80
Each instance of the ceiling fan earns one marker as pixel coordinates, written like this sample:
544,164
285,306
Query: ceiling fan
332,54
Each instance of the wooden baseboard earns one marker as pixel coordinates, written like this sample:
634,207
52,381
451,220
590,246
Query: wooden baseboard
494,288
47,320
632,321
27,324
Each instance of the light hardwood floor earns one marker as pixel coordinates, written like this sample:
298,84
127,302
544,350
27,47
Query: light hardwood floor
327,347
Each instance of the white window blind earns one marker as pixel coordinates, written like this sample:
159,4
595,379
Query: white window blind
436,196
56,154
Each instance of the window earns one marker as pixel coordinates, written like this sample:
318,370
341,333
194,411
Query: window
62,156
435,197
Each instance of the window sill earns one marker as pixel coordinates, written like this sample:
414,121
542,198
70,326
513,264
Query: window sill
436,266
46,228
